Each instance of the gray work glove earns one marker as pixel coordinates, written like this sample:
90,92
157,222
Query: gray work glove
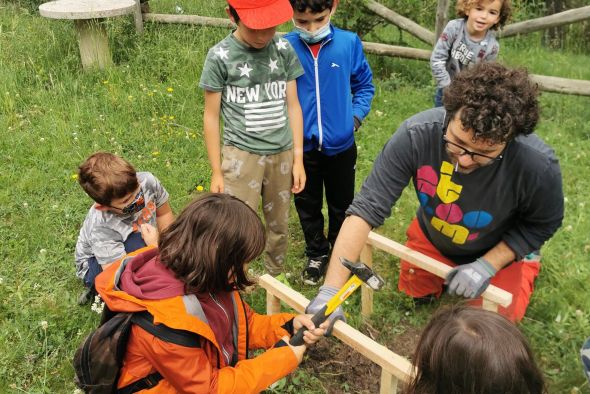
470,280
317,303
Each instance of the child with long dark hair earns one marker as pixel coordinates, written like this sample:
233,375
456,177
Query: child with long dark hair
467,350
191,282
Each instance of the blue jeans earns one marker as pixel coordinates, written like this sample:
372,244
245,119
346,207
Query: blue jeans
585,356
133,242
438,97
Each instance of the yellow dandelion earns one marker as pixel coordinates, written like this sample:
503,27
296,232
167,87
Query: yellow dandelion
170,90
75,177
150,94
171,117
130,98
199,188
155,153
105,82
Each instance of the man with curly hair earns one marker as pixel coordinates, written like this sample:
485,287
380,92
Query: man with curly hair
489,189
467,40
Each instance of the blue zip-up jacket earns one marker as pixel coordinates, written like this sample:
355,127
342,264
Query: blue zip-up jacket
336,86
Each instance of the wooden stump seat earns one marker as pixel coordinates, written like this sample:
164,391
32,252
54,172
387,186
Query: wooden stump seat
88,16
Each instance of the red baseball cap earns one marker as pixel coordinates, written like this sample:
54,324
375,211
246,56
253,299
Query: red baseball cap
262,14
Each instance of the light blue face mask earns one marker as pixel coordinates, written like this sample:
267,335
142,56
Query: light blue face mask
313,37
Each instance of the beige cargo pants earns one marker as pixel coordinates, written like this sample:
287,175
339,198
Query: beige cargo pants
249,176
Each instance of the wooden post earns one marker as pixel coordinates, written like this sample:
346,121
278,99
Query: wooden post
401,21
138,16
546,22
94,43
273,304
366,291
394,50
442,17
388,383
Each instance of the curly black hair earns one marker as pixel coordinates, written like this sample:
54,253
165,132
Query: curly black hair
496,102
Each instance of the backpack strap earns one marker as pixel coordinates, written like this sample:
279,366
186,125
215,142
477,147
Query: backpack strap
178,337
184,338
148,382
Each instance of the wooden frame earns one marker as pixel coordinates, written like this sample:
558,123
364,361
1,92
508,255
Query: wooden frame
492,297
546,83
393,366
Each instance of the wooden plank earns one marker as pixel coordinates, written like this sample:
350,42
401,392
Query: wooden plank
546,22
366,291
442,17
401,21
188,19
393,363
388,383
492,293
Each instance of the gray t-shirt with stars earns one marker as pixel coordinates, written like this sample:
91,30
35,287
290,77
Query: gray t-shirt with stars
253,86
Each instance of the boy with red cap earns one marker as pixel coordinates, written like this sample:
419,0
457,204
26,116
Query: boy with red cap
249,79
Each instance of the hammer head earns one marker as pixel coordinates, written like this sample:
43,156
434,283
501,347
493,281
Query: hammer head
364,273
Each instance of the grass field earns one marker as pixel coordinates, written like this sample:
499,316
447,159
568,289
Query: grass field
148,109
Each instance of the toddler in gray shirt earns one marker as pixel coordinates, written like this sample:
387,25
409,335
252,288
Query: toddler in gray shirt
467,40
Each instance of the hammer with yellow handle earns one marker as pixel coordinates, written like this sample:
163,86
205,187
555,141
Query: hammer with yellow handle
361,273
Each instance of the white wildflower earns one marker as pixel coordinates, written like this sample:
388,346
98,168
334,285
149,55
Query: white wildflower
44,324
97,306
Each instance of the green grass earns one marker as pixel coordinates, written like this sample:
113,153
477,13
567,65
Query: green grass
148,109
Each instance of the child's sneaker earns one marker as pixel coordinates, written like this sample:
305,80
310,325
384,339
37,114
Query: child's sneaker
314,270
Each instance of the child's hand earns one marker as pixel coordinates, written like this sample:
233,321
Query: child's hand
298,350
149,234
298,178
313,334
217,183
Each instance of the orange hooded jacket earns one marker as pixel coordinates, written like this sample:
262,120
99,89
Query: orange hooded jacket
197,370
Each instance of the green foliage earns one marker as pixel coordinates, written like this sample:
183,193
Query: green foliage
148,109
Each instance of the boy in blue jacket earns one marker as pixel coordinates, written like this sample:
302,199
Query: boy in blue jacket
335,95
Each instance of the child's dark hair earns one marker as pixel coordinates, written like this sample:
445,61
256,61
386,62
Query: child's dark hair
496,102
234,14
463,6
106,177
467,350
209,243
315,6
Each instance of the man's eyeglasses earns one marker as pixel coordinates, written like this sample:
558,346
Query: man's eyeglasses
476,157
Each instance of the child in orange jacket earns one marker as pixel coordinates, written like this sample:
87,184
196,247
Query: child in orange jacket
191,282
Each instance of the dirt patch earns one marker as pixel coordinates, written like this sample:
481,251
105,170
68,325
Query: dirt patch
343,370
